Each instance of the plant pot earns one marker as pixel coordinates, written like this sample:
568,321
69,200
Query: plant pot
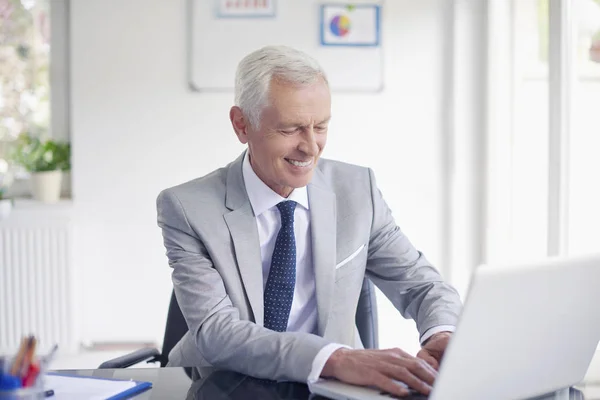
5,208
45,186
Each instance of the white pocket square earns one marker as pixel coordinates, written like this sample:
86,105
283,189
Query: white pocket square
350,257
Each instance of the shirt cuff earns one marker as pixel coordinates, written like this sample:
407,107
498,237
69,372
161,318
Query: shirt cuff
321,358
436,329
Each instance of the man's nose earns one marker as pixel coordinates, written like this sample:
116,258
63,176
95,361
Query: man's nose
309,145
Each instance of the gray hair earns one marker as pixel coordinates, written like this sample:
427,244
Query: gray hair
257,70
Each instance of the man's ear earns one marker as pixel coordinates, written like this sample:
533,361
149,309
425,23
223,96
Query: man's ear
239,123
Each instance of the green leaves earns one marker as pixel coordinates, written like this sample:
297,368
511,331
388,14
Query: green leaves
38,156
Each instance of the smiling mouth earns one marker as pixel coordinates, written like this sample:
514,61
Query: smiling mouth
297,163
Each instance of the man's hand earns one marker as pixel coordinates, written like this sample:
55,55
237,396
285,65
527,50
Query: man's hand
381,368
433,349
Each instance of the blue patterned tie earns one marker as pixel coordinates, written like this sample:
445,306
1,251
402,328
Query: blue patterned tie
279,291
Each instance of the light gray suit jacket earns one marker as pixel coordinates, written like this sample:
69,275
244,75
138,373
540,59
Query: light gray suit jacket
212,244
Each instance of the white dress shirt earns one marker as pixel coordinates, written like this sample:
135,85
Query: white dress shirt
303,314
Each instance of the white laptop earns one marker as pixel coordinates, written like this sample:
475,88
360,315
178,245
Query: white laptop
525,330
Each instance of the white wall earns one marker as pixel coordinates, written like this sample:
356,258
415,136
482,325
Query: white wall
137,129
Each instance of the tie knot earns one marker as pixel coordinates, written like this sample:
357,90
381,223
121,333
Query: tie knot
286,209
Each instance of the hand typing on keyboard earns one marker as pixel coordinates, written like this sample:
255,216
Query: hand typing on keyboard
392,370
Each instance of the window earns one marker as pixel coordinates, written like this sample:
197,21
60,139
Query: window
553,132
34,77
25,68
583,190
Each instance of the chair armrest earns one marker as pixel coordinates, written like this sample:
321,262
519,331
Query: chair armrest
151,354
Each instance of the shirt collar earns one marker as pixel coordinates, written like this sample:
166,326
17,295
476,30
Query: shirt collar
262,197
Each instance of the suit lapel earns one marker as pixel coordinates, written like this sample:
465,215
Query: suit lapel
323,232
242,227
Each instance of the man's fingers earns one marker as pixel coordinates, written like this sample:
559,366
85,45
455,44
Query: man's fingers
404,374
389,386
423,371
429,359
417,366
399,354
430,367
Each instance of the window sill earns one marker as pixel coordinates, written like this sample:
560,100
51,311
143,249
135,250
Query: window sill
28,212
28,204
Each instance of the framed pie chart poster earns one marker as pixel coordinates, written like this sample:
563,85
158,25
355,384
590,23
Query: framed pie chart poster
350,25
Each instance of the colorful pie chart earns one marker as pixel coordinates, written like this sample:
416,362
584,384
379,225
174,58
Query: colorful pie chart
340,25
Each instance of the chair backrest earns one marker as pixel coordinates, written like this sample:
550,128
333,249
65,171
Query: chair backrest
366,322
366,316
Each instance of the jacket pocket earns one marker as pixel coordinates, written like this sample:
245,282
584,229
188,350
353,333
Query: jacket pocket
350,257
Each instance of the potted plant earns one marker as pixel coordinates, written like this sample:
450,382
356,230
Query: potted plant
5,182
45,160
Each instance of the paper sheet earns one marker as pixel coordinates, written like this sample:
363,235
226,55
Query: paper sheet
77,388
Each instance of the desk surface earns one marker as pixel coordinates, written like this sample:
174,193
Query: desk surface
173,383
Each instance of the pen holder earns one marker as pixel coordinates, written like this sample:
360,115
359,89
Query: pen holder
10,389
29,393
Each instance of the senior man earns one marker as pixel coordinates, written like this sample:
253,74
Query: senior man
269,252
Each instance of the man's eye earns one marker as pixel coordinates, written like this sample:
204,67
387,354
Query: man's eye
289,131
321,128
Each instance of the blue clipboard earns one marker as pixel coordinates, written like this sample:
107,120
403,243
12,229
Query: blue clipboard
139,386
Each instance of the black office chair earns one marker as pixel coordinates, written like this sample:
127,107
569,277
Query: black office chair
176,327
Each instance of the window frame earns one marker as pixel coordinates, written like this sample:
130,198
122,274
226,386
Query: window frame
60,83
562,79
561,57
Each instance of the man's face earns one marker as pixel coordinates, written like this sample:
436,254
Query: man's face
292,133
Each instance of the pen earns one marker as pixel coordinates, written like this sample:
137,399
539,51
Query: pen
16,367
48,358
31,375
28,357
44,362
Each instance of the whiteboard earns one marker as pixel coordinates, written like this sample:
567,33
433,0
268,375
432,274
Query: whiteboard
216,45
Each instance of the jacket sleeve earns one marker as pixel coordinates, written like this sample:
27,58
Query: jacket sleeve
403,273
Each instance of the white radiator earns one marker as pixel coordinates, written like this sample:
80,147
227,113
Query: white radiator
36,282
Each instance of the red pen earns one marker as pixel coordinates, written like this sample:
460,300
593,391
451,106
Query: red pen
32,373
